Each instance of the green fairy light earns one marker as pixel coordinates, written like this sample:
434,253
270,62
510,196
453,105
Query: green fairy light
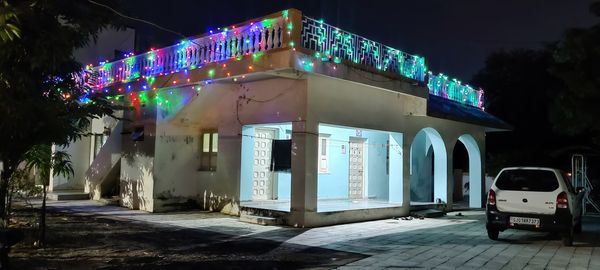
267,23
143,97
211,72
307,65
150,80
257,55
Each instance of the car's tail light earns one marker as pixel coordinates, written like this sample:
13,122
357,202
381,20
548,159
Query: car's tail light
492,197
562,201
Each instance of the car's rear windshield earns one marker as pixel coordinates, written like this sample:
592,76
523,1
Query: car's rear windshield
527,180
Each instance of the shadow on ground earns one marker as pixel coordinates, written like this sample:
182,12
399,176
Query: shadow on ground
94,242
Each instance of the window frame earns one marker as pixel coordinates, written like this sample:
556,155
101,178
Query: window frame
323,139
208,156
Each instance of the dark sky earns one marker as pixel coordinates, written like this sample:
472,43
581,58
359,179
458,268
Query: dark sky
455,36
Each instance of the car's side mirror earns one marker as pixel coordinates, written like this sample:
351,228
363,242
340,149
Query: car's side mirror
579,190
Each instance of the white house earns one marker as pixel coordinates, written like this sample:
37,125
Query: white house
282,116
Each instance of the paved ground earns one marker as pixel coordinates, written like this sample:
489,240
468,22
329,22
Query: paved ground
444,243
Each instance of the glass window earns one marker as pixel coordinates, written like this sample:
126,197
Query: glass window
527,180
323,154
98,142
210,146
206,142
215,142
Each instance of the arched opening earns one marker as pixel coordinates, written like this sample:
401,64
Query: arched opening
428,175
460,172
467,158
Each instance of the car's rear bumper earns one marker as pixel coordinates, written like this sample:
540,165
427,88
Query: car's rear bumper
560,221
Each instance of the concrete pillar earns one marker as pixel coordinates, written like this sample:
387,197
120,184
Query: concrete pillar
449,175
482,189
396,164
406,168
304,173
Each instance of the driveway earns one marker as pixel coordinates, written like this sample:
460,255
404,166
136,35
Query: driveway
451,242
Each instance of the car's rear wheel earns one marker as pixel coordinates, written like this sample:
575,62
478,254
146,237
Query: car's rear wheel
567,237
493,233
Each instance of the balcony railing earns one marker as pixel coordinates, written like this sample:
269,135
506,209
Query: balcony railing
333,43
324,41
191,54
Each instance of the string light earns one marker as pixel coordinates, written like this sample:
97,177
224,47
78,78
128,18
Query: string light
332,45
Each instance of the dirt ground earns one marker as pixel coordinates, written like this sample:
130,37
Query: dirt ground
94,242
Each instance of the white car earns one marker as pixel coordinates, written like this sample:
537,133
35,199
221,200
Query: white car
533,198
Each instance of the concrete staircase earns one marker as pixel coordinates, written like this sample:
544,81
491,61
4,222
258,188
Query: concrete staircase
264,217
105,170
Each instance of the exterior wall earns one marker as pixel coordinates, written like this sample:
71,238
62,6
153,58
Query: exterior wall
334,184
450,132
345,103
82,155
136,183
103,173
80,158
340,102
178,183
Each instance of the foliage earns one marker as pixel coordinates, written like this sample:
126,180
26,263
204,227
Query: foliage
22,187
46,162
40,82
8,18
549,95
518,90
576,58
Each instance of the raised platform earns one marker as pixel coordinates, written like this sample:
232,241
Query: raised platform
323,205
67,195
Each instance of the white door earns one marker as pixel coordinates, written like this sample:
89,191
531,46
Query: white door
356,173
262,177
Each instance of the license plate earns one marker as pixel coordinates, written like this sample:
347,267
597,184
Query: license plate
524,221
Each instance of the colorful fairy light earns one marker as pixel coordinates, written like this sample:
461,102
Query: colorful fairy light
330,44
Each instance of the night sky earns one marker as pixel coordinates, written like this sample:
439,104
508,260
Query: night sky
455,36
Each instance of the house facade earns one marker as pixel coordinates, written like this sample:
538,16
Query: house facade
282,116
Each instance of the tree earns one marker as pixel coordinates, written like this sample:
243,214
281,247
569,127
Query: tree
40,82
47,163
576,59
519,89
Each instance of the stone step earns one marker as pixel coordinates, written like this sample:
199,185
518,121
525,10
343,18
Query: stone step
68,195
260,220
428,213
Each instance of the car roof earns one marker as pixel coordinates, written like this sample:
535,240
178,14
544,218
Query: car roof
531,168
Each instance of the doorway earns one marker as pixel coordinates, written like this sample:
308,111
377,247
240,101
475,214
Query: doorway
263,179
357,171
